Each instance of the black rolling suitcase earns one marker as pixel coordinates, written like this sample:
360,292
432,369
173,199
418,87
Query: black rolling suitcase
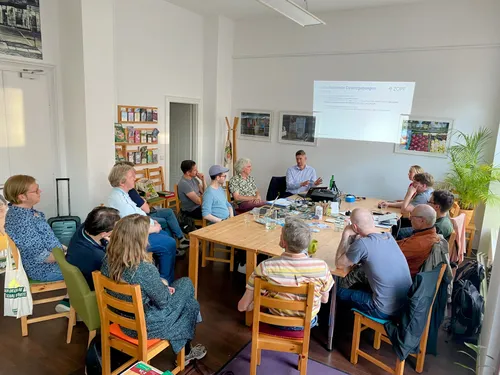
64,226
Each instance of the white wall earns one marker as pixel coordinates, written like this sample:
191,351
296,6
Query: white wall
451,49
158,53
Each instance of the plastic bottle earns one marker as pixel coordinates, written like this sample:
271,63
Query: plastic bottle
319,212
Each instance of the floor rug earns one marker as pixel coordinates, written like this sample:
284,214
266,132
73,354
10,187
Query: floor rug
275,363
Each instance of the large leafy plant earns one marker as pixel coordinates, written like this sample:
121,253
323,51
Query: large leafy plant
470,175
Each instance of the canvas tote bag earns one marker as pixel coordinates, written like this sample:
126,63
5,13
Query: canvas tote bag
17,296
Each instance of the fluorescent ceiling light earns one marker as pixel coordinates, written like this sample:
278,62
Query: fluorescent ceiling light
293,11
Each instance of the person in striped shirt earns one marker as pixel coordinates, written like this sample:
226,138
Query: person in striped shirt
293,268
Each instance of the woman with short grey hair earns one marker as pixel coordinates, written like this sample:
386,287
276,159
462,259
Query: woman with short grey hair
243,187
296,234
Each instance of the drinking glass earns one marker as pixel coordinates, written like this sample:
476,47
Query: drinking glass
383,205
256,213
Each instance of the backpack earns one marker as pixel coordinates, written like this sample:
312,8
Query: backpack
186,222
472,271
93,358
467,309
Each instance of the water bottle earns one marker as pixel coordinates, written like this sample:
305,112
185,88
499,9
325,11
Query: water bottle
319,212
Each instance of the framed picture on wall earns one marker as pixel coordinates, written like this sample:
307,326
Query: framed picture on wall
425,136
297,128
256,125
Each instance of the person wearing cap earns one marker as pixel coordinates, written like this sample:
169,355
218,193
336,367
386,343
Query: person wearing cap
215,206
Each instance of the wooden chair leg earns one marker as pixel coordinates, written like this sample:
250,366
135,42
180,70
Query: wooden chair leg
91,337
231,258
24,325
376,340
422,349
303,365
253,358
71,323
212,249
356,333
203,253
259,353
400,367
106,356
181,359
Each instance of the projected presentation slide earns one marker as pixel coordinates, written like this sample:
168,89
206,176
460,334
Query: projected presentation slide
364,111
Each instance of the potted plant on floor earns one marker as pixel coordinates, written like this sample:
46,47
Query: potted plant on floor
470,174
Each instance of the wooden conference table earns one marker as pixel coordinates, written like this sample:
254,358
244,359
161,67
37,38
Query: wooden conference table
254,239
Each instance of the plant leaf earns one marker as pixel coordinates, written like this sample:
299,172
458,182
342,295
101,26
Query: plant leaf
467,367
467,354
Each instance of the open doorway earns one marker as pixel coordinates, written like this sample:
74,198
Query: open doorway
183,123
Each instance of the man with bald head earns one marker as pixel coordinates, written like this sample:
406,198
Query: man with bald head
418,246
382,262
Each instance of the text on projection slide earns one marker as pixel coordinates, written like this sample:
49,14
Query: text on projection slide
363,111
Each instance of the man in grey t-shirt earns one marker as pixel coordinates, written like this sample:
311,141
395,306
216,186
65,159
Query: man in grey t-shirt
381,260
191,187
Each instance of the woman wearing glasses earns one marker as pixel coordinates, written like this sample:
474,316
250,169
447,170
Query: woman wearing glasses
28,229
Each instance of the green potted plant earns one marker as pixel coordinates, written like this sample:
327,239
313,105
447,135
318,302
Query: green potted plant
470,174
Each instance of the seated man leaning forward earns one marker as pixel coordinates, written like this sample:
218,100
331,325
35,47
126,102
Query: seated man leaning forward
87,247
382,262
418,246
301,177
122,178
243,186
418,192
293,268
215,206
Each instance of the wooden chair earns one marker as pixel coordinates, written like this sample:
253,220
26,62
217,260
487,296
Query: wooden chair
229,196
454,210
38,287
267,337
451,243
156,175
141,173
141,349
362,322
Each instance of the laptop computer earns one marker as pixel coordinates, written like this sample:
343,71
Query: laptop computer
308,193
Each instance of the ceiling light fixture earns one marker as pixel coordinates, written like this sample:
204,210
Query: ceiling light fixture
293,11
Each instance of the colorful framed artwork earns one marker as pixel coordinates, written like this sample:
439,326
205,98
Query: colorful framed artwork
297,128
425,136
256,125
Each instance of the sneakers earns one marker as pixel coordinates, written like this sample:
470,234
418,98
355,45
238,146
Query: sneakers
63,306
242,268
197,352
183,243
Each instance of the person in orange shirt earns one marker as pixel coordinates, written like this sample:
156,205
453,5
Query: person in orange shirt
418,246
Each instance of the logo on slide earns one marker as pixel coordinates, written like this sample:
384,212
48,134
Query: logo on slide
397,88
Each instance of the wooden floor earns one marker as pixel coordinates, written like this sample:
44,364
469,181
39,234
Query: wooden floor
45,350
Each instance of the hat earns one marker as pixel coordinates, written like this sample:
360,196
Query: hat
217,169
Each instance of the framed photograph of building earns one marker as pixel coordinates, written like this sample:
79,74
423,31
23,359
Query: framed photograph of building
425,136
256,125
297,128
20,29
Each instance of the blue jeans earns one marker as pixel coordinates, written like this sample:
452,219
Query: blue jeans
164,247
168,221
314,323
362,301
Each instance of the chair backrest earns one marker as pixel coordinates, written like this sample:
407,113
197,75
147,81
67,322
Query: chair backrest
451,243
177,199
156,175
438,284
108,304
83,300
141,173
276,185
304,306
454,210
229,196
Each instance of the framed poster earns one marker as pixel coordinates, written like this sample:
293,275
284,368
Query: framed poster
297,128
256,125
425,136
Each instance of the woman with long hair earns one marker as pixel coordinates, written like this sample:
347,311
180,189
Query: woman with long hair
171,311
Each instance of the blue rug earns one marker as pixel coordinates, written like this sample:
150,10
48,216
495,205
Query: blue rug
276,363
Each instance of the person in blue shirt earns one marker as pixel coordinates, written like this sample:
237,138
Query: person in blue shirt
87,247
301,177
215,206
122,179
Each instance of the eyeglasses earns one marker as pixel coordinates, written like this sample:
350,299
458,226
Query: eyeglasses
415,216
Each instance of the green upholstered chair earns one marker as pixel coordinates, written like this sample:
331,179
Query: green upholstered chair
82,299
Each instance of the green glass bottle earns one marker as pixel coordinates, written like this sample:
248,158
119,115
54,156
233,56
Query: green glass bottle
332,182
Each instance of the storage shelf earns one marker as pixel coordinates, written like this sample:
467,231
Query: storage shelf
139,123
146,164
135,144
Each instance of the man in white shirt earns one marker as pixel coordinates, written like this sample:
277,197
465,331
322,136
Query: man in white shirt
122,178
301,177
